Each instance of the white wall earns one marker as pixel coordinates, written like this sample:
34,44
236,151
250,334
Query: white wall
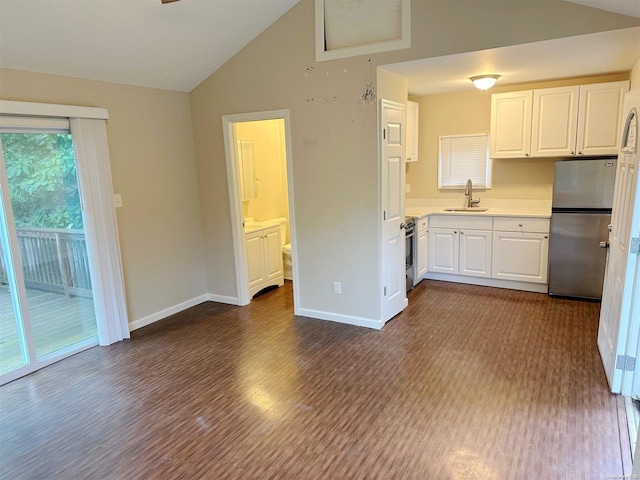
153,168
334,139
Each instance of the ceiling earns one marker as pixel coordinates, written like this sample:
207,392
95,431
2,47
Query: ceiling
174,46
137,42
579,56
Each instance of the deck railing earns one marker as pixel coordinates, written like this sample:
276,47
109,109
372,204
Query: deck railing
53,259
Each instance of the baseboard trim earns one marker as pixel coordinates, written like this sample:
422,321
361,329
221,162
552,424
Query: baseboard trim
335,317
488,282
162,314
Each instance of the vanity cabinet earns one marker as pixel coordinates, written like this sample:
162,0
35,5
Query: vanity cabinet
460,245
520,249
557,122
422,248
264,258
413,111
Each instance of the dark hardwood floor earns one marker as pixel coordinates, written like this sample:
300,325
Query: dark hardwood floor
467,383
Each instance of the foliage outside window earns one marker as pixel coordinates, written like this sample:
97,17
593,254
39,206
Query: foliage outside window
463,157
42,180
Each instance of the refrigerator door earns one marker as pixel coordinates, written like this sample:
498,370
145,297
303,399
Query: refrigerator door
576,259
584,183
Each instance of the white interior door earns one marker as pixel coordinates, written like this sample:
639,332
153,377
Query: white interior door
616,321
392,176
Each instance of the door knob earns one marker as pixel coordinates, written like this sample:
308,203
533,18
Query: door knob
610,227
402,225
604,244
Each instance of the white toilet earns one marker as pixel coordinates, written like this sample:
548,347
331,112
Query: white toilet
286,249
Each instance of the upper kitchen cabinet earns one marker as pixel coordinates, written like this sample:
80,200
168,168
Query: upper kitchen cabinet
600,118
564,121
554,124
511,124
413,110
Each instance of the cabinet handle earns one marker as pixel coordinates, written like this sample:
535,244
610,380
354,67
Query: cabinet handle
461,232
579,153
546,236
526,154
572,152
455,231
520,225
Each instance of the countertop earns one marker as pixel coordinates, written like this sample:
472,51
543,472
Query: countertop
495,208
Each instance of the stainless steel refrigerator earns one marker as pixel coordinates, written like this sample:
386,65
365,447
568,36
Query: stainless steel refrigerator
580,215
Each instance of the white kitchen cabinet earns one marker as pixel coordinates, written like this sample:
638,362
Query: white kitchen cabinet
557,122
264,259
510,134
422,248
521,249
599,127
554,125
444,248
460,245
475,253
413,111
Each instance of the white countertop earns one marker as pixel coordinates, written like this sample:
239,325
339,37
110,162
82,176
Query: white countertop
495,208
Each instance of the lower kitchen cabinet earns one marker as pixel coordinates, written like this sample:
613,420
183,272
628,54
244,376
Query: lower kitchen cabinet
460,251
475,253
520,256
264,259
422,249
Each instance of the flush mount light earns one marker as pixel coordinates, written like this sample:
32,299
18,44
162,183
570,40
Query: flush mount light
484,82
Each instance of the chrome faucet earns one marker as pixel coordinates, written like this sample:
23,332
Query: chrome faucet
468,192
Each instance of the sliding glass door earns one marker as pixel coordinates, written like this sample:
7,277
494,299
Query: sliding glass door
45,284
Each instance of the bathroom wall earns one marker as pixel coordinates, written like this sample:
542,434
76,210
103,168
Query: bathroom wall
270,168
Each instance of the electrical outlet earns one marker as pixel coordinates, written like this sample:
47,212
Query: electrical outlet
337,288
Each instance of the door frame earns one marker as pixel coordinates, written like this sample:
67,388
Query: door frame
235,202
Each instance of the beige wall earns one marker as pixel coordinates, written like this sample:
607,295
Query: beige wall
470,112
270,169
334,135
635,75
153,168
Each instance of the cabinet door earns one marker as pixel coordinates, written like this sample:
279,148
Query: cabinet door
272,253
600,117
413,110
511,124
475,253
555,119
444,245
422,254
520,256
255,258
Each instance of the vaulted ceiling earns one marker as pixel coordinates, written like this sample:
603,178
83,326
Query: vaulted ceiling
143,42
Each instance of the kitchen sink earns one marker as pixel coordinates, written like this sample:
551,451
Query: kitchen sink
466,209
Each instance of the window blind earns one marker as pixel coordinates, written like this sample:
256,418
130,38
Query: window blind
462,157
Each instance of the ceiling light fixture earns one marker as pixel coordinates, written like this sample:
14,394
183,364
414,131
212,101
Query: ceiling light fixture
484,82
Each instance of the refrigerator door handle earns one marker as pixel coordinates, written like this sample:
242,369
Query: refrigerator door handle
604,244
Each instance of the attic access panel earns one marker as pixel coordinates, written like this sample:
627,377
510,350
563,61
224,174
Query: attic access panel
347,28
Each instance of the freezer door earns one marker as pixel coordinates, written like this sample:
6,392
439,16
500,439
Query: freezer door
584,183
576,260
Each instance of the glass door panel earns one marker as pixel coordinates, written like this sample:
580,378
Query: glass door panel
45,199
13,347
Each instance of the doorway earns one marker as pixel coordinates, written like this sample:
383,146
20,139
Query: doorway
46,302
259,174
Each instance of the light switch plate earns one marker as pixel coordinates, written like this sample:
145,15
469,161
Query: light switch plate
117,200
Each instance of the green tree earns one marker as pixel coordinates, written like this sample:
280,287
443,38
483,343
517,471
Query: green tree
42,177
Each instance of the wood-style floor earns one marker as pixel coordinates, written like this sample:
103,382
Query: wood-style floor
467,383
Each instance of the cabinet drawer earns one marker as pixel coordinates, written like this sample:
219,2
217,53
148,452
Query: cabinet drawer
461,221
421,224
521,224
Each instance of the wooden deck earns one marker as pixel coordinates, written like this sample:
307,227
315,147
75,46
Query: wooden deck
57,321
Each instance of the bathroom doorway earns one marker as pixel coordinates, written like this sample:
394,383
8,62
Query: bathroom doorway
258,154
